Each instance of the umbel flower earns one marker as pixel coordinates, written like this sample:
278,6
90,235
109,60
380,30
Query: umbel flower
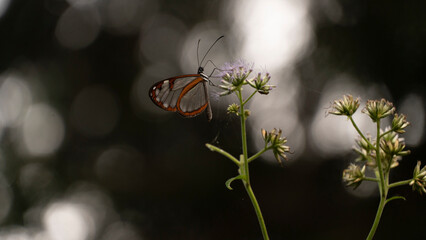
399,122
378,109
277,143
354,175
234,75
346,106
393,145
234,108
419,179
259,83
364,150
391,150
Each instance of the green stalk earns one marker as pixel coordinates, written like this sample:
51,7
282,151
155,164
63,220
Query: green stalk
223,152
382,186
243,135
383,134
257,210
258,154
244,103
246,178
359,132
377,219
371,179
400,183
379,164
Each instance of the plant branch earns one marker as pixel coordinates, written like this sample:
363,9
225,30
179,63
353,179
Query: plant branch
382,186
383,134
371,179
258,211
245,168
223,152
243,136
244,103
383,191
258,154
400,183
360,133
377,219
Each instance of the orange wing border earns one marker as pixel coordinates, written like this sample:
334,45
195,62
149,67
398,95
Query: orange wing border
197,79
188,87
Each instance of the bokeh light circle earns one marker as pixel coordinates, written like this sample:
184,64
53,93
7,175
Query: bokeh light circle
43,130
78,27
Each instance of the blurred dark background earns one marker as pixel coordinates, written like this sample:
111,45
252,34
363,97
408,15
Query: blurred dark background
86,155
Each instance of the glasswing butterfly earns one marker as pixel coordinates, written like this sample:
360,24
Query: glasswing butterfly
186,94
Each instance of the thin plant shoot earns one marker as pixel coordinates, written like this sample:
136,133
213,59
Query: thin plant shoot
235,76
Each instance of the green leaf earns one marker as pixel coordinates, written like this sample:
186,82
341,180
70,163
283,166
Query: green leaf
229,181
395,198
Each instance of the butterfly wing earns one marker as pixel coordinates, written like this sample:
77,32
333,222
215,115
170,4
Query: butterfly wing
186,94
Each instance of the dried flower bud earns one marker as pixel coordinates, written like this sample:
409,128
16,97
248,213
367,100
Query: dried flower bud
419,179
392,145
265,135
378,109
364,150
346,106
246,113
399,122
354,175
277,143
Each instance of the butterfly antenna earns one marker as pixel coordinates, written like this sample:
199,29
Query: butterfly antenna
205,55
210,61
198,45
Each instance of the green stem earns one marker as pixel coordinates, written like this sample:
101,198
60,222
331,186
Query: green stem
371,179
400,183
383,191
257,210
258,154
377,219
244,103
360,133
245,162
383,186
223,152
383,134
243,135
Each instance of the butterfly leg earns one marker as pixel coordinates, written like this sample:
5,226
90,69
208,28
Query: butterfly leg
214,69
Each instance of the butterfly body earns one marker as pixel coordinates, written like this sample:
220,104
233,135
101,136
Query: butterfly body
185,94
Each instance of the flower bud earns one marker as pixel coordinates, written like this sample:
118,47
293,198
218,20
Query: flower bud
399,122
234,75
378,109
264,134
418,182
354,175
277,143
234,108
259,83
392,145
346,106
364,149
